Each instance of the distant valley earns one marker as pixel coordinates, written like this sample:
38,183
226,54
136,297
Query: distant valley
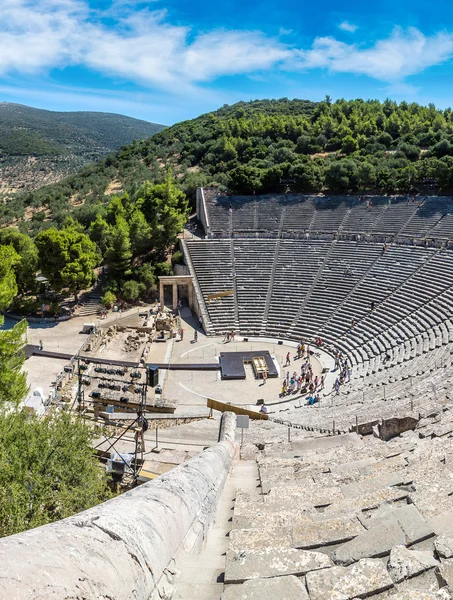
39,147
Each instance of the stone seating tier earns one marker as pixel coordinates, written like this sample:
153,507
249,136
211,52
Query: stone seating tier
344,518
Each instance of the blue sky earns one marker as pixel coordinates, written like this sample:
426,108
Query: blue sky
165,62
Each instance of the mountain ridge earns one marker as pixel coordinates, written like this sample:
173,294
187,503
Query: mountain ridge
39,146
265,146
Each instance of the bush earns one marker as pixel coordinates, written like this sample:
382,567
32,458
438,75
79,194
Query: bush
131,290
177,258
145,275
108,299
163,268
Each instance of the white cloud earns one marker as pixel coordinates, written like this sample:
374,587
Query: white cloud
404,53
347,26
135,43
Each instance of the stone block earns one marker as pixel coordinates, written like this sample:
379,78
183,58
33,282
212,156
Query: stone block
408,517
315,533
367,502
443,523
444,546
446,572
442,594
313,495
252,539
374,484
365,578
404,563
272,562
374,542
263,515
281,588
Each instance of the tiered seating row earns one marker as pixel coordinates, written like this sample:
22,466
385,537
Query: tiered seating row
282,214
359,298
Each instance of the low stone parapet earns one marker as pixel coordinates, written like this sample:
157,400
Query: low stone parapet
123,548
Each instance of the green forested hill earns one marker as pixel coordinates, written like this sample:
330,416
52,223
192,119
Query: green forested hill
41,146
345,146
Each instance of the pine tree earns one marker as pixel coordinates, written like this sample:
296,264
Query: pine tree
119,253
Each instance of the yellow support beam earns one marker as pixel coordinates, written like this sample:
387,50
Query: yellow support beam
219,295
224,407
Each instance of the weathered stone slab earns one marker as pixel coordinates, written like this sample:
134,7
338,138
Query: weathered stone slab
353,466
324,444
442,594
404,563
281,588
444,546
315,533
446,572
363,579
249,452
251,539
272,562
374,542
368,486
277,516
443,523
411,521
366,502
313,495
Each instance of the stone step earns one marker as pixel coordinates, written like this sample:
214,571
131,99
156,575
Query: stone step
415,528
366,578
296,531
288,587
374,542
272,562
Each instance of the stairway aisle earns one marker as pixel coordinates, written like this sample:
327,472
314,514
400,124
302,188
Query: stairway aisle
201,576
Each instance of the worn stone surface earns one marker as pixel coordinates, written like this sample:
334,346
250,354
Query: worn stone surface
314,533
314,495
367,501
250,539
442,594
368,486
275,588
374,542
365,578
249,451
444,546
404,563
443,523
272,562
278,516
446,572
408,517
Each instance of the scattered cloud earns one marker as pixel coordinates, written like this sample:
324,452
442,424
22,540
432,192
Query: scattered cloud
283,31
132,41
403,54
347,26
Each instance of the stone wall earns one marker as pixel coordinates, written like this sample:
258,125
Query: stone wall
125,547
202,213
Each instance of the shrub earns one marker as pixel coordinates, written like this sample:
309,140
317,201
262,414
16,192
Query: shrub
131,290
177,258
108,299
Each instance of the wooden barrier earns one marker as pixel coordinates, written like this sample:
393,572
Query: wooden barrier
224,407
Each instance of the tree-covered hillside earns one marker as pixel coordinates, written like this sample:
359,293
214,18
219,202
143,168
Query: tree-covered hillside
41,146
345,146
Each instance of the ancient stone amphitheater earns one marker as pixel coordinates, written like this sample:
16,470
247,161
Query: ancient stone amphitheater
357,501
